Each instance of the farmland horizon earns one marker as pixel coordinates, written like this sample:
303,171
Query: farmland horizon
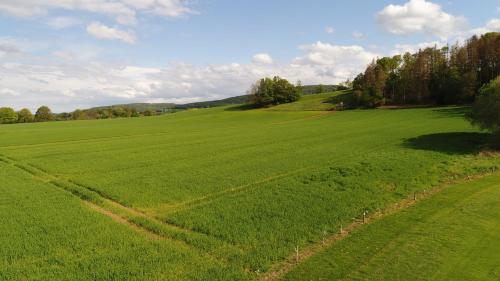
86,55
223,140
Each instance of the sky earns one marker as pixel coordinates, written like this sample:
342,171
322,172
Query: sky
70,54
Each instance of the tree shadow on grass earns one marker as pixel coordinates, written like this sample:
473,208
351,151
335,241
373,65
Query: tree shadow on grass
346,98
241,107
451,143
448,112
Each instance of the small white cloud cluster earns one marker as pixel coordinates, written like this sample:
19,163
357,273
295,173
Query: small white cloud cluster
9,47
330,30
420,16
123,12
101,31
262,58
321,53
412,48
493,25
62,22
358,35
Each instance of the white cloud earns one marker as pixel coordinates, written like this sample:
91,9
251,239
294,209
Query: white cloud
334,55
102,31
9,47
35,8
65,84
63,22
8,92
490,26
262,58
412,48
420,16
358,35
493,24
329,30
122,11
22,8
169,8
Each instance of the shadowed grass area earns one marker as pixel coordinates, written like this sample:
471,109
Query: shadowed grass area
448,112
451,143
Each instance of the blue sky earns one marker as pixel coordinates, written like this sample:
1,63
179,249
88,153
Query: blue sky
70,54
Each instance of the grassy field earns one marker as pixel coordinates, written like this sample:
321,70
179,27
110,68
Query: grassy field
451,236
241,187
50,235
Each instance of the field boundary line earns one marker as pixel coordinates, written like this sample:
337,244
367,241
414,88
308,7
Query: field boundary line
83,140
121,220
139,214
281,268
391,243
134,218
206,199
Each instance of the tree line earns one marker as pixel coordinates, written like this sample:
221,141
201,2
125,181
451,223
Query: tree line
44,113
448,75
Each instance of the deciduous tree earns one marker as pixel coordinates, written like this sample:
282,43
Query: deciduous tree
486,109
24,116
274,91
7,115
43,114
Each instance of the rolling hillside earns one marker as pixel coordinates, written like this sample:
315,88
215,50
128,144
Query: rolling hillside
167,107
222,193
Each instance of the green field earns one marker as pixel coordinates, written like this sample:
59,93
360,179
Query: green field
452,236
214,194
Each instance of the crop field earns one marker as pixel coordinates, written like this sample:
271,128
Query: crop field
452,236
213,194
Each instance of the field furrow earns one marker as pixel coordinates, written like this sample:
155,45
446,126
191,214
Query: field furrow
243,188
135,219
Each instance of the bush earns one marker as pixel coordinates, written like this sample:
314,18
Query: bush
148,112
7,115
24,116
274,91
485,112
78,115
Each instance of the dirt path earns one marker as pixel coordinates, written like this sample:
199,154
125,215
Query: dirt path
280,269
120,220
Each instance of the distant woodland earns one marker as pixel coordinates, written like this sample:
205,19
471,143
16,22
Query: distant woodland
448,75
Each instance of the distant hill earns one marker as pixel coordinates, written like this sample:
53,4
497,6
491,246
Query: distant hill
141,107
214,103
170,107
312,89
